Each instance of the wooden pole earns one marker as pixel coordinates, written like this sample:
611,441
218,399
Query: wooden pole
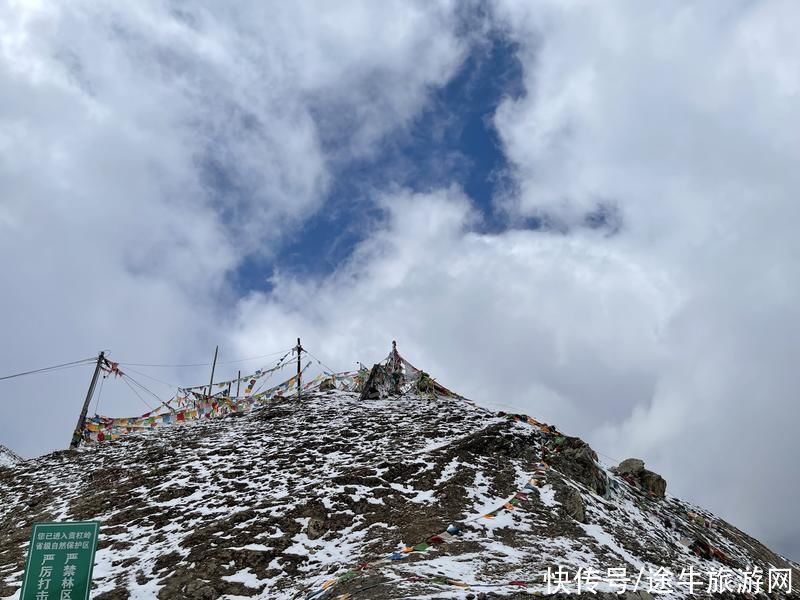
238,380
299,350
77,435
213,366
395,364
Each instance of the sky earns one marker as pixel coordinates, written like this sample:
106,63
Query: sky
585,212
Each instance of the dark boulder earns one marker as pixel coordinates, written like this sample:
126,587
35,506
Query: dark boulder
631,466
572,501
573,457
632,469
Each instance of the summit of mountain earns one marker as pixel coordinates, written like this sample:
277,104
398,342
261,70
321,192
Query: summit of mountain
385,486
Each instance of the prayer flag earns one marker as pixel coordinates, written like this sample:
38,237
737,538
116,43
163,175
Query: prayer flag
436,539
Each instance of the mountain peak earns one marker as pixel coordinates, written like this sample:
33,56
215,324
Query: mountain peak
8,458
399,489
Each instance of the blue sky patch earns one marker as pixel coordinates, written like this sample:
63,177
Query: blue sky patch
452,141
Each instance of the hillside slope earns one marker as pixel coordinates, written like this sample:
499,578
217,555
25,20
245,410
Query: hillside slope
411,496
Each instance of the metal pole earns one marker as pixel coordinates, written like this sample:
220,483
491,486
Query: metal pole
238,380
299,350
213,366
77,435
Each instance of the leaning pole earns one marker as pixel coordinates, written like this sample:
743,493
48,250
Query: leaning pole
77,435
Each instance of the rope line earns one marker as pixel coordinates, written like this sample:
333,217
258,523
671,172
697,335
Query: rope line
99,393
278,366
205,364
156,379
330,371
153,394
149,408
242,378
139,385
54,367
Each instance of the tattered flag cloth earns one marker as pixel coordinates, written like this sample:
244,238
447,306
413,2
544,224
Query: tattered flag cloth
101,428
111,368
251,379
194,405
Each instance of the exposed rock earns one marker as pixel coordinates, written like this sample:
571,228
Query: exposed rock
573,457
653,483
631,466
632,469
166,561
119,593
200,590
316,528
573,503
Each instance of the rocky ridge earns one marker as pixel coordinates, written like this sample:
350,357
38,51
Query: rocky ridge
411,496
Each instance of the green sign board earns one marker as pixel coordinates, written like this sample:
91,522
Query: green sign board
60,561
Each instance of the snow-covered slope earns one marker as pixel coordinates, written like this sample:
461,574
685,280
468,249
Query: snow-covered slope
402,497
8,458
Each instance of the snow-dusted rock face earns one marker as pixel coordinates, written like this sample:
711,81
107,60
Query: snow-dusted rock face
407,497
8,458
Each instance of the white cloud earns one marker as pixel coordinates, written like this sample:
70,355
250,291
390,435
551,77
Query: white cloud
672,340
147,148
684,117
502,318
